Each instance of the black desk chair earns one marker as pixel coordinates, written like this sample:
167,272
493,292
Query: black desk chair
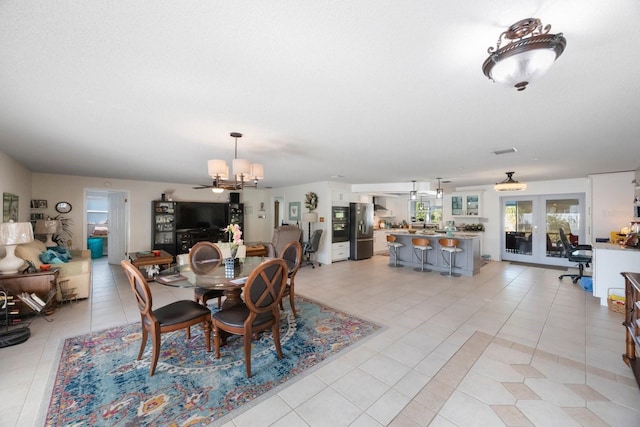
572,253
311,247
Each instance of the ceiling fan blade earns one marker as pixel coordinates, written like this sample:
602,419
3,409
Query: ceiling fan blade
202,187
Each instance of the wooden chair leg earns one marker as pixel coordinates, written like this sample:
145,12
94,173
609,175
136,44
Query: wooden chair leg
206,325
143,342
155,338
247,353
216,340
293,306
275,330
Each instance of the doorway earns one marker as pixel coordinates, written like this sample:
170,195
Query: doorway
106,219
531,227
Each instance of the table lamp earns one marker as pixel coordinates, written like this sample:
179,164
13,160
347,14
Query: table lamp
310,217
48,227
12,234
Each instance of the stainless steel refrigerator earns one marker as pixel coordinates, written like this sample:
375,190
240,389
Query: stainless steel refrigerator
360,230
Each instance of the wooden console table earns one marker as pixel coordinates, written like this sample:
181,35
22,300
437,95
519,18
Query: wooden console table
632,322
40,283
146,259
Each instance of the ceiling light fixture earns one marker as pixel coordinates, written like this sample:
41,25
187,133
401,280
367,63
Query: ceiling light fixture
245,173
529,54
439,192
510,184
413,194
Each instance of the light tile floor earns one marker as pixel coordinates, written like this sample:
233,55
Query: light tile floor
510,346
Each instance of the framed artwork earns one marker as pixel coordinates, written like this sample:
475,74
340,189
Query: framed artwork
9,207
294,211
37,216
38,204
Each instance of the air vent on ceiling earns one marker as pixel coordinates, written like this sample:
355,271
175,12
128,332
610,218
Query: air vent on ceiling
505,151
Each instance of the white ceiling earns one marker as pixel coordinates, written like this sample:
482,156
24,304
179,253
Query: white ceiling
373,91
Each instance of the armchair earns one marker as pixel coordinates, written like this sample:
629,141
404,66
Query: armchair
580,254
281,236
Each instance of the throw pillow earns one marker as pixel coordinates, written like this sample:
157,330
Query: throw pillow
50,257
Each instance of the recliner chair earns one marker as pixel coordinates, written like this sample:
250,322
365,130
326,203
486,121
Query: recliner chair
571,253
281,236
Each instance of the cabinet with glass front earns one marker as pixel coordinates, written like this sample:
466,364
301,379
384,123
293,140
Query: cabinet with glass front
466,204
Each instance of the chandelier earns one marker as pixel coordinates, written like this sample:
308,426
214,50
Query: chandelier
509,184
529,54
244,173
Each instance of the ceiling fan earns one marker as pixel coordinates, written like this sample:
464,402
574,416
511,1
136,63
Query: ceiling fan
216,186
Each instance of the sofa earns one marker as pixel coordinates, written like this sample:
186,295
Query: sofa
75,274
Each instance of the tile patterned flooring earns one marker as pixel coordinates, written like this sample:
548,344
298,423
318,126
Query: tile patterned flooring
511,346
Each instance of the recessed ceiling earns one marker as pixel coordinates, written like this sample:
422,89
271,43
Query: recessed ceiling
371,91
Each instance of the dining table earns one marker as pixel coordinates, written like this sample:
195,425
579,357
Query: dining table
182,276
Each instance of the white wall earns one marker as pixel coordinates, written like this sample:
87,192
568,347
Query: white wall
612,207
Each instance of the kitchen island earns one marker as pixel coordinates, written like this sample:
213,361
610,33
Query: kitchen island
467,262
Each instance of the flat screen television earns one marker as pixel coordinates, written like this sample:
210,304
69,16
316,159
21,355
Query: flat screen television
201,216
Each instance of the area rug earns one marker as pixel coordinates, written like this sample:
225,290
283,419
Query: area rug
99,382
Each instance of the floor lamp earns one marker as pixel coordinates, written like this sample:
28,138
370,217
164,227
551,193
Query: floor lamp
310,217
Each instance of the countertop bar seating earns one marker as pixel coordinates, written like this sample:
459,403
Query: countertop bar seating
467,262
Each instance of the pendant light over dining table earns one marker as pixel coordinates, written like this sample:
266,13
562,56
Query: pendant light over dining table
245,173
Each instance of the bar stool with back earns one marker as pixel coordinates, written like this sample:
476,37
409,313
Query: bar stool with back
451,246
393,247
422,245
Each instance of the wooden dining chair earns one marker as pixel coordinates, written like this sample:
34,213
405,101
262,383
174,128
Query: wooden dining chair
262,294
204,257
292,254
171,317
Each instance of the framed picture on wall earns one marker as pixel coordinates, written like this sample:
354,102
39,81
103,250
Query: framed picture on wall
38,204
9,207
294,211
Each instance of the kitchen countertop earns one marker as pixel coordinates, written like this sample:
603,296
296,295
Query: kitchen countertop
456,234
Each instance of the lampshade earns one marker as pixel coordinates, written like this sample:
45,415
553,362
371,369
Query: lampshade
244,173
15,233
12,234
510,184
310,217
529,54
48,227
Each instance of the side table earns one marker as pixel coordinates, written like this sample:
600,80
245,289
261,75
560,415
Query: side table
41,283
144,261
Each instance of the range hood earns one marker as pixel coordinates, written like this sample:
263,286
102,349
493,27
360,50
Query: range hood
377,206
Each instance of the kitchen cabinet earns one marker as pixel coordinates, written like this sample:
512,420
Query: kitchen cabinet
466,204
340,251
379,241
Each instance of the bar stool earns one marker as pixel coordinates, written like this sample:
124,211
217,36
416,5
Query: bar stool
422,245
451,246
393,246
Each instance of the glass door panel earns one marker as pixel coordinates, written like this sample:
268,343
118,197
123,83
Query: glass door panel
524,219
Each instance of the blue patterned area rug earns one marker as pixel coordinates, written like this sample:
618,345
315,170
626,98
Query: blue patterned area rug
99,382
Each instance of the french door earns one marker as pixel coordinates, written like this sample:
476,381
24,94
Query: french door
531,227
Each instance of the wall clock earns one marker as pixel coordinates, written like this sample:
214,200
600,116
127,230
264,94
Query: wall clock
63,207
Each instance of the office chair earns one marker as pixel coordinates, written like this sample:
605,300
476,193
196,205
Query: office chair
572,253
311,247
